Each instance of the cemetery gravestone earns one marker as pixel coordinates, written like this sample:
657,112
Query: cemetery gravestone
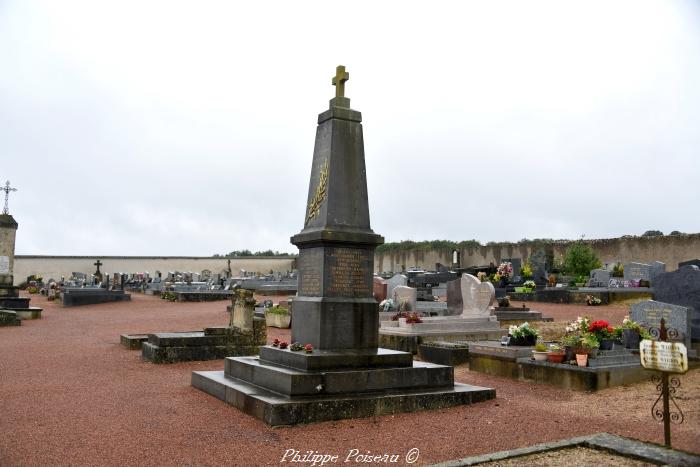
657,268
600,278
469,297
649,313
395,281
538,263
637,272
682,287
379,288
405,298
690,262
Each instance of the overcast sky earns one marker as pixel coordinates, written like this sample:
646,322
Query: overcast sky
187,128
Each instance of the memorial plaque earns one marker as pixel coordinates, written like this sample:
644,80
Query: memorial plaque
309,266
349,272
671,357
4,264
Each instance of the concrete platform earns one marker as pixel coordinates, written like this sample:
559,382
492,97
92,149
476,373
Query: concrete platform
452,328
9,318
275,408
608,369
210,344
91,296
133,341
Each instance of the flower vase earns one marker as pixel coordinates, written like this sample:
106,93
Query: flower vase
582,359
630,338
606,344
569,352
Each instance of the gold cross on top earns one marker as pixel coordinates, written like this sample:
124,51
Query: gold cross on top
341,76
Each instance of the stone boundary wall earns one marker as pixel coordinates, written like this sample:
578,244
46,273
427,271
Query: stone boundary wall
669,249
55,267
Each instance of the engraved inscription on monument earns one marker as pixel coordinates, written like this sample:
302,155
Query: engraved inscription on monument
4,264
309,265
349,272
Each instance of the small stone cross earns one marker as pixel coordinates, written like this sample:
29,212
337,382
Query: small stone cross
341,76
98,264
7,191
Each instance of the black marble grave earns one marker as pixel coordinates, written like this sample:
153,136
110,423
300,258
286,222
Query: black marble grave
346,375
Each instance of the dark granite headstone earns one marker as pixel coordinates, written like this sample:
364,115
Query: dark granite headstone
454,298
682,287
649,313
690,262
538,263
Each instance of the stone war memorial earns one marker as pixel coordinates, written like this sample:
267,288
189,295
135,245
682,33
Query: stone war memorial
340,372
13,308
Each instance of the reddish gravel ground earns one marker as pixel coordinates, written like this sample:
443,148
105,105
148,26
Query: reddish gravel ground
71,395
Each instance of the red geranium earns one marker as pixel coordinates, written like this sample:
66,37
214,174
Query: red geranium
599,325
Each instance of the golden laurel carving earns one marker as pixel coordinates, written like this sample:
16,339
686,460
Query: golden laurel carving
314,207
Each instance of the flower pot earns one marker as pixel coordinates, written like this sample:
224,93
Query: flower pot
606,344
278,320
556,357
582,359
539,356
593,353
631,338
569,353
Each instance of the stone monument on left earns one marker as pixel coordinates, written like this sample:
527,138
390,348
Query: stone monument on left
12,306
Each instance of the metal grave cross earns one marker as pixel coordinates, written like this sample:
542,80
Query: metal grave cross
7,191
341,76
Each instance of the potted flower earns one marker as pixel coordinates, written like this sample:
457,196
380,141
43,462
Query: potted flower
296,347
632,332
529,286
603,333
593,301
277,317
308,348
413,318
504,271
552,280
522,335
540,352
618,270
504,302
482,276
570,342
555,354
526,271
283,344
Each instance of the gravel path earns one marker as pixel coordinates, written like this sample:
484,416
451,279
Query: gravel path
71,395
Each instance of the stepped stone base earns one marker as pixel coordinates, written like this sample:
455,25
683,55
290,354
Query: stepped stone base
328,385
10,300
9,318
211,344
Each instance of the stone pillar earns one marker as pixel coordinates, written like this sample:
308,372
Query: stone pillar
335,308
8,230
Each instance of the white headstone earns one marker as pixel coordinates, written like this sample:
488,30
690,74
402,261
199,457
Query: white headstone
395,281
477,296
407,296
